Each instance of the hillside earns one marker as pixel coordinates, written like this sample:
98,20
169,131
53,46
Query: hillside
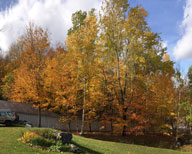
10,145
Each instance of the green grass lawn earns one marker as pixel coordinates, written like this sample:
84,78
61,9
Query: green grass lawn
10,145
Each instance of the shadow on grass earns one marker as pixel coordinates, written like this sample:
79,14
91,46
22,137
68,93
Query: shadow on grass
17,125
86,150
151,140
13,125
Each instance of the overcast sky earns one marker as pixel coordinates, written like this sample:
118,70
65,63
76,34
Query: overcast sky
171,18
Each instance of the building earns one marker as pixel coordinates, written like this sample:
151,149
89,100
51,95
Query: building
48,119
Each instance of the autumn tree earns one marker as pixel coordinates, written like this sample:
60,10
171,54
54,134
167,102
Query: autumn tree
12,61
186,99
189,106
189,75
160,103
133,53
2,73
28,79
81,44
114,70
77,21
115,37
59,85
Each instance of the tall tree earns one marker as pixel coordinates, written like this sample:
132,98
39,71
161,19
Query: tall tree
59,85
2,73
133,53
82,45
186,99
28,79
77,21
11,62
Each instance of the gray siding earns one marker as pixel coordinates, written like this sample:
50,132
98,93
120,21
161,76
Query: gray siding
54,122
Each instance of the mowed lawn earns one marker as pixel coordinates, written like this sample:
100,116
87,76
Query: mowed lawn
10,145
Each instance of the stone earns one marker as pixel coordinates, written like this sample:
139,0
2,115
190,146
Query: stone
64,137
28,125
74,149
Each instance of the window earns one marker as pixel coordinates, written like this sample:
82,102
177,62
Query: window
3,114
10,114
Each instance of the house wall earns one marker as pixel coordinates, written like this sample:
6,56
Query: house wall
53,122
50,119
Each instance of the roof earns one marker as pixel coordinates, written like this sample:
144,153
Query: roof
5,110
23,108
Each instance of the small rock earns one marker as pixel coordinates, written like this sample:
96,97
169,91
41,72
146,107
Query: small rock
75,149
64,137
28,125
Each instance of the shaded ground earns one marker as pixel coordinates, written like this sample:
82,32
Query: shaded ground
147,140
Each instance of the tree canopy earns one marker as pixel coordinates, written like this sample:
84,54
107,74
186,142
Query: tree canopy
113,69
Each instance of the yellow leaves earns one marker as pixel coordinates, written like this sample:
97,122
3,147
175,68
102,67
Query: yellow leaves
28,77
64,119
118,72
28,135
35,39
166,57
84,39
167,129
172,114
141,59
166,133
167,126
60,82
44,105
102,128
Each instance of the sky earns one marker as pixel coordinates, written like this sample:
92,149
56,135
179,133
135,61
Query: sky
172,19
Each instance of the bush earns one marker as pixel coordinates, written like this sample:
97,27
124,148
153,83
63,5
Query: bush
46,133
45,138
27,136
49,134
58,147
40,141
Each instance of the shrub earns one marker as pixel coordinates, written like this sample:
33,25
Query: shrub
49,134
45,138
46,133
58,147
27,136
40,141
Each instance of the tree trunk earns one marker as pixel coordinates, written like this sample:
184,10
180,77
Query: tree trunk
77,128
83,112
112,126
39,116
122,91
178,103
69,124
82,122
124,127
124,118
90,127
